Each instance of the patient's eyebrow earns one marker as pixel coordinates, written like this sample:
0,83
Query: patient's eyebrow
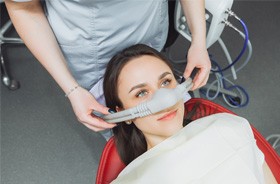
163,75
144,84
138,86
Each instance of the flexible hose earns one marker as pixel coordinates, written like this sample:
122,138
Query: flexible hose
243,48
223,46
220,78
220,81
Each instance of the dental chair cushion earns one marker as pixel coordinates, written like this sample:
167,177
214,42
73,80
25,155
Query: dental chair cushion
111,165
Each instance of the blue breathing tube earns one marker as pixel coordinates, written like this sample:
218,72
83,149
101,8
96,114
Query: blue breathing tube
162,99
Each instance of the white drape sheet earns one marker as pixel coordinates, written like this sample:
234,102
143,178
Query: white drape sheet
218,149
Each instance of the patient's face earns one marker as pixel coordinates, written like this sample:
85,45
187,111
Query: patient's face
138,81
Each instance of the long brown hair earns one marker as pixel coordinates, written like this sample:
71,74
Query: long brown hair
130,141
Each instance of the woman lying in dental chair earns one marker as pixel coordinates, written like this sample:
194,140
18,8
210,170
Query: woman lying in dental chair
165,148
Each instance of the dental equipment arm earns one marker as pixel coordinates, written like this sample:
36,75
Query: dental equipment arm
161,100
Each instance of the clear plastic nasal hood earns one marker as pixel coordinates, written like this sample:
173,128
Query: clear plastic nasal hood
162,99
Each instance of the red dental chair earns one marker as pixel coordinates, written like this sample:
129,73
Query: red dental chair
111,165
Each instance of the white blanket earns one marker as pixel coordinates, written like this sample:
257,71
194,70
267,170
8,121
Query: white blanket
218,149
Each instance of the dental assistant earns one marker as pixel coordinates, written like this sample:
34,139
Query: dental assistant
74,40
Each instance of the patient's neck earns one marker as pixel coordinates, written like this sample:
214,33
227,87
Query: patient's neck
152,141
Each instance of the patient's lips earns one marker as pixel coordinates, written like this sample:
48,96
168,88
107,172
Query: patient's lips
168,116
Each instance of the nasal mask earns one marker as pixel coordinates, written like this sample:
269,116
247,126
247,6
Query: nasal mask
162,99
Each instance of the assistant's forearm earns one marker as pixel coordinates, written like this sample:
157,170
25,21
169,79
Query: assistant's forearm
194,11
32,26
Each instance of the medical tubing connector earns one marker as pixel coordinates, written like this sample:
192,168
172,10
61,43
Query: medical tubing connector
232,14
162,99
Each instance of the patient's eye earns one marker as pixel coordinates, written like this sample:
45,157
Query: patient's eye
142,93
166,82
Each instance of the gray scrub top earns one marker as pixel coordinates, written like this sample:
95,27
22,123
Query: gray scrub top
90,32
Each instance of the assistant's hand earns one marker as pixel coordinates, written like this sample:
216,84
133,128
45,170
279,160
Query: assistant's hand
83,103
198,58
